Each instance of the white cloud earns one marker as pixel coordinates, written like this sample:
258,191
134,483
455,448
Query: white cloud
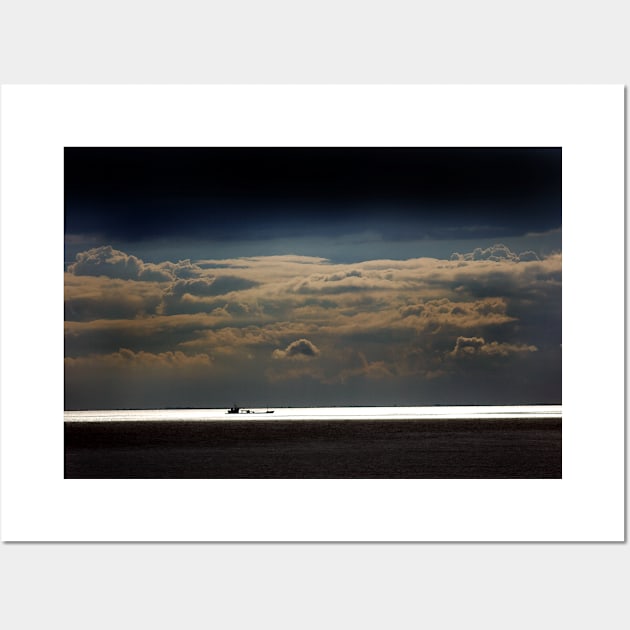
496,253
476,346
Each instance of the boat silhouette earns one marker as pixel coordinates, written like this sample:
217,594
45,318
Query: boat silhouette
237,409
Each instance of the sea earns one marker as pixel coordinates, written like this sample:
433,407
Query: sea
438,442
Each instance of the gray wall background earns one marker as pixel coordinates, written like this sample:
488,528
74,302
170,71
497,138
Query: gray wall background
314,586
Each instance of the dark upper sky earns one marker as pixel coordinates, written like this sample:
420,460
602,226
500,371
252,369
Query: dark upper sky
131,194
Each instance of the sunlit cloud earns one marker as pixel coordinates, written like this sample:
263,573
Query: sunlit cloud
475,346
110,262
273,319
496,253
298,349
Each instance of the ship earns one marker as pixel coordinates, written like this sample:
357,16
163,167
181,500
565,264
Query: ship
237,409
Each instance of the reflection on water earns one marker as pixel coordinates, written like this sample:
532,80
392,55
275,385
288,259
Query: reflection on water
319,413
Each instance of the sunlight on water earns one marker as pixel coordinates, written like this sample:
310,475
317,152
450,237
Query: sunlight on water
318,413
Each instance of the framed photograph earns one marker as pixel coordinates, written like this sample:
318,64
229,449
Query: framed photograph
312,313
325,288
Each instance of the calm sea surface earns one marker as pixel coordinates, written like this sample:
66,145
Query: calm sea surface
318,413
339,442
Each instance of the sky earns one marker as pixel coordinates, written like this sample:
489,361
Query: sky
291,276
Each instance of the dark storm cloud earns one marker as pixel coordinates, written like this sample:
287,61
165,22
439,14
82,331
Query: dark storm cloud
127,194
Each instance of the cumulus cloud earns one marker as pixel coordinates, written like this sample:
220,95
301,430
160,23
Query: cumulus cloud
415,319
496,253
182,269
468,345
342,280
528,256
110,262
209,287
298,349
337,277
113,263
460,314
200,295
475,346
411,309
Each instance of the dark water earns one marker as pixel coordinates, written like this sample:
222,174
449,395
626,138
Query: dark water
433,449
